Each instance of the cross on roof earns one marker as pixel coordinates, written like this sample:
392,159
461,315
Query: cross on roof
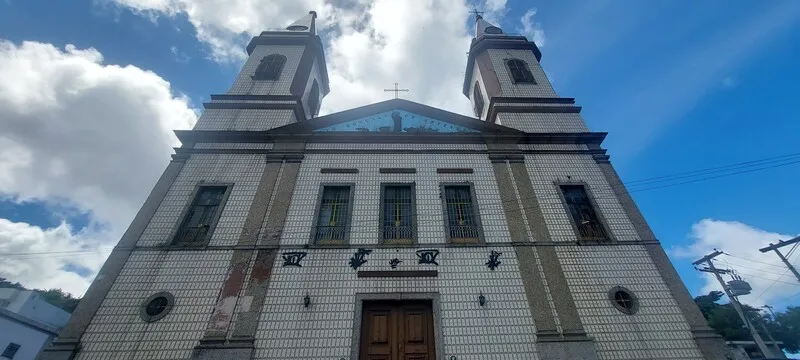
396,91
477,13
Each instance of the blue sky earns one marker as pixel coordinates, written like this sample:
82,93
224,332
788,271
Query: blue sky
679,86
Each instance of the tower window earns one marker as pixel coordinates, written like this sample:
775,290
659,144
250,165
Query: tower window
270,67
10,351
333,217
477,100
398,218
624,300
461,213
519,71
583,213
313,99
202,216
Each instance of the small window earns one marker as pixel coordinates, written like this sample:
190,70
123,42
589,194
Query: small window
519,71
462,218
398,217
477,99
313,99
10,351
624,300
270,67
334,215
582,213
202,216
156,306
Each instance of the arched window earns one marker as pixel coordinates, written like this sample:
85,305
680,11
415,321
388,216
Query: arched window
519,71
270,67
313,99
477,100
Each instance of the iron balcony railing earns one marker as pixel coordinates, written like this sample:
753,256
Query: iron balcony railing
591,230
398,232
336,233
463,231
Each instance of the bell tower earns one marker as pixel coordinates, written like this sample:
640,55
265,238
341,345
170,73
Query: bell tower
283,81
507,86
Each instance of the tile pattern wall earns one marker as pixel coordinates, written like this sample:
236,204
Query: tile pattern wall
657,331
244,119
543,122
117,332
535,147
502,329
243,170
365,227
237,146
545,169
542,88
388,146
244,84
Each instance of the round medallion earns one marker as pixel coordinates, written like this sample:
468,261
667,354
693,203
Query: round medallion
156,306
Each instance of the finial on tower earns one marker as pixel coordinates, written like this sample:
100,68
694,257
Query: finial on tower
478,14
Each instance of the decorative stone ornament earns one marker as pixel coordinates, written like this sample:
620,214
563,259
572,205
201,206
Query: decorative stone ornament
358,258
494,261
428,256
293,258
156,306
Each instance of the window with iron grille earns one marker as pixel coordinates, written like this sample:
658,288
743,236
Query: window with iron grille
10,351
202,216
462,217
398,217
477,99
519,71
334,214
270,67
583,213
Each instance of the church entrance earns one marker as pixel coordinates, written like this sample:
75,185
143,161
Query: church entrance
397,330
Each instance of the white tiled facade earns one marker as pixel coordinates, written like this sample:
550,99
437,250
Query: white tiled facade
366,199
193,277
502,329
242,171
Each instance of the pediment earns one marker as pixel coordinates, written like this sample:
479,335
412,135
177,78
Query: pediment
396,116
397,120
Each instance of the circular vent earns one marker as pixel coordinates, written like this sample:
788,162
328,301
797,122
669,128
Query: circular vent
297,28
157,306
624,300
494,30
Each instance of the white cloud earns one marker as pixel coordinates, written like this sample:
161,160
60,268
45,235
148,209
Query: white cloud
64,248
180,56
742,242
531,29
370,44
82,133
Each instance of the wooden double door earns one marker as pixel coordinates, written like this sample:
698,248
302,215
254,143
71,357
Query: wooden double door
397,330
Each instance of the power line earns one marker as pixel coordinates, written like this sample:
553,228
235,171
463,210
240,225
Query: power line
746,267
760,262
543,204
718,168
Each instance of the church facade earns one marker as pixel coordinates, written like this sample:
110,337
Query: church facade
390,231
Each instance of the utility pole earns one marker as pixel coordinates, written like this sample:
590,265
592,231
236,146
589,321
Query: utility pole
738,307
779,245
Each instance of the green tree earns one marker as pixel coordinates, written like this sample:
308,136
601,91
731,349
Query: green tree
725,321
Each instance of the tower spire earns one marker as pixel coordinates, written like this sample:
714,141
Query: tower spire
307,23
483,27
